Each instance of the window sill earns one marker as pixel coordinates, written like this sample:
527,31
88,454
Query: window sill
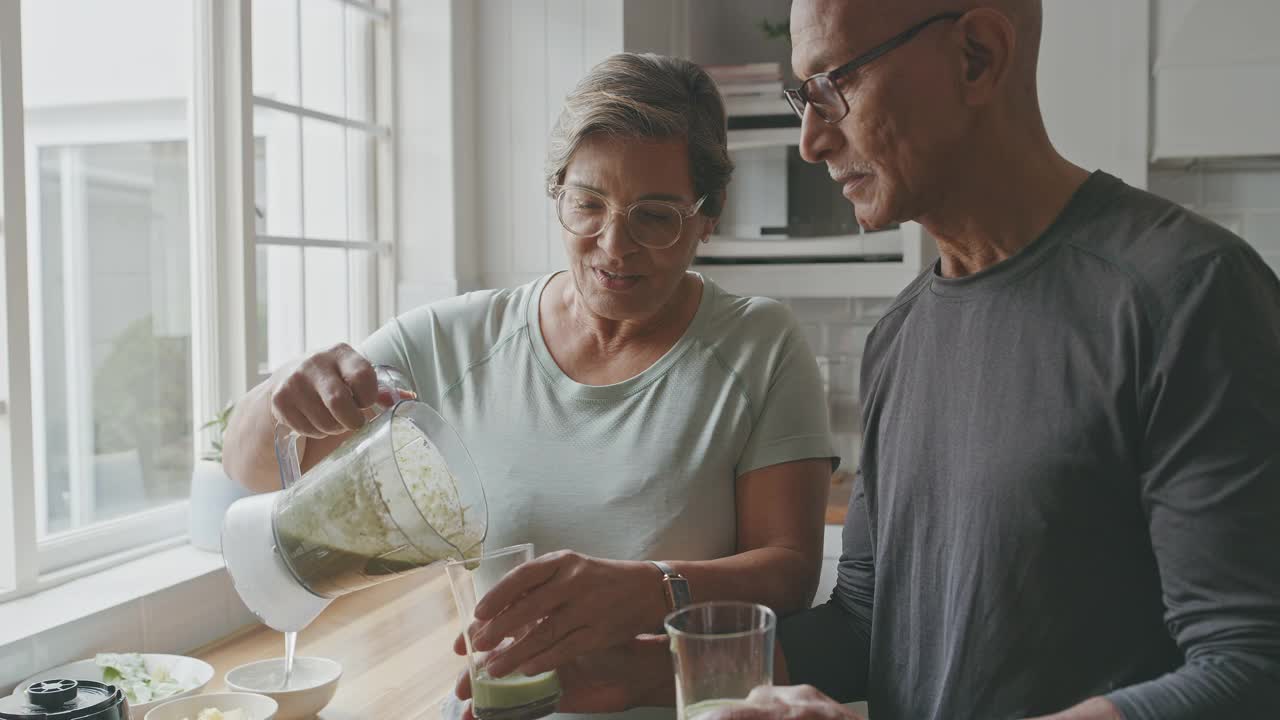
171,601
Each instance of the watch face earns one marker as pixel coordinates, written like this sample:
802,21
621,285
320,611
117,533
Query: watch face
678,593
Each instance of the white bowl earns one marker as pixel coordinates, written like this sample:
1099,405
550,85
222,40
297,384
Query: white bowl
257,707
187,670
314,682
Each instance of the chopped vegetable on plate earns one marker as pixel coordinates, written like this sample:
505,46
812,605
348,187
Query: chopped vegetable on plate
128,671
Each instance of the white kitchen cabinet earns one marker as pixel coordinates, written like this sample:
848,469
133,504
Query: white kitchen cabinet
1215,78
1094,80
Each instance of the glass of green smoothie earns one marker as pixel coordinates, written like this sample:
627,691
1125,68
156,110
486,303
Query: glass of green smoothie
721,652
515,696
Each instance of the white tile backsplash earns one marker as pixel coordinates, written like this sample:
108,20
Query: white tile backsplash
869,310
1244,188
1244,200
113,630
181,618
837,330
821,309
1262,230
16,661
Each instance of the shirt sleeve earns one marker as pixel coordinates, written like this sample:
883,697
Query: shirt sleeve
829,646
792,422
1210,488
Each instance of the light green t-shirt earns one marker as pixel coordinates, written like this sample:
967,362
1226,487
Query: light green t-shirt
641,469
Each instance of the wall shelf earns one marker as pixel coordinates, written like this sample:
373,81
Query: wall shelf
813,280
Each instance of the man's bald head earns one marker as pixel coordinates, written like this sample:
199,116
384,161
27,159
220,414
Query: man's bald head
925,112
812,19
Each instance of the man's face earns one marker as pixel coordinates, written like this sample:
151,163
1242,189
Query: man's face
905,121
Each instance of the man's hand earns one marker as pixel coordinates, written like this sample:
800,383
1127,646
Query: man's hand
802,702
630,675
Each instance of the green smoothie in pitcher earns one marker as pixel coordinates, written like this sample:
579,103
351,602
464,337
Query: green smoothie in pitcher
338,535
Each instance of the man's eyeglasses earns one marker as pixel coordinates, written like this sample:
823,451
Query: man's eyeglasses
651,223
822,90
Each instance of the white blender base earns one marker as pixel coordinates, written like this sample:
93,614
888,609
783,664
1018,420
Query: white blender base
260,576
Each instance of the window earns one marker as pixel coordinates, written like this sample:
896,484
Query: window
109,270
129,328
317,148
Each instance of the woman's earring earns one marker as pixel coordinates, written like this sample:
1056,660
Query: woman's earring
706,238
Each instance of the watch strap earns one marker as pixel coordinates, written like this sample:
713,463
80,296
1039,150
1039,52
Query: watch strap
675,585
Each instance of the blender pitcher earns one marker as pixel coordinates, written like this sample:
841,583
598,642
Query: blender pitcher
398,495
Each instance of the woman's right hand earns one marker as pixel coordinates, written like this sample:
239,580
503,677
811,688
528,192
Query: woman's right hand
326,393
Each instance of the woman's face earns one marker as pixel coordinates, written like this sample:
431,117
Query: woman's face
617,278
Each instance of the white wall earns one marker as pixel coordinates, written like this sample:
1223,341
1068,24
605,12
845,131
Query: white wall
1094,84
528,54
435,149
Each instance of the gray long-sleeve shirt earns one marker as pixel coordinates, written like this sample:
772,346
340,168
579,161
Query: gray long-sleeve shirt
1070,483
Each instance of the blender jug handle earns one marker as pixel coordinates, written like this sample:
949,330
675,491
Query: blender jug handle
390,381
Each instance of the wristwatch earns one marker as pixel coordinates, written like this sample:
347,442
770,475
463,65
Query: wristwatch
675,585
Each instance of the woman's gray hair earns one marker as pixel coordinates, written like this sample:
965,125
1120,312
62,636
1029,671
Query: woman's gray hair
652,97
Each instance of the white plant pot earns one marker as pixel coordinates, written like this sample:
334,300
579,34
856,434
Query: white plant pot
212,492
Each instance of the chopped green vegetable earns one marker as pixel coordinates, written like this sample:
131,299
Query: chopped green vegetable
128,671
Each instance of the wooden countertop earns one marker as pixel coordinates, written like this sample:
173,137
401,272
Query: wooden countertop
838,498
394,642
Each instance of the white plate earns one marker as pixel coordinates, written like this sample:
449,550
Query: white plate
186,670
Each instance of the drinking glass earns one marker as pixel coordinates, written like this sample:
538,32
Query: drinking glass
721,651
516,696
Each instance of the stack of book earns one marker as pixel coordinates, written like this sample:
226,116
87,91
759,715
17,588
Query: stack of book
751,79
750,89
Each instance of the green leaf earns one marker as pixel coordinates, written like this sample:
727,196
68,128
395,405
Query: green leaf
774,31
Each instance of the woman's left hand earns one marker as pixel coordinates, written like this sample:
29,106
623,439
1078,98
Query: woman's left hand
564,605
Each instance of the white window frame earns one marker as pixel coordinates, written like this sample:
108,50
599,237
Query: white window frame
224,242
160,526
382,244
17,490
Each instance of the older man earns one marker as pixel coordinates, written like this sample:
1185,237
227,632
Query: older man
1070,486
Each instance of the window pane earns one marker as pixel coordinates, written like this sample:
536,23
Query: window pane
115,318
322,61
275,50
278,172
110,247
361,186
363,281
359,65
326,297
280,320
324,185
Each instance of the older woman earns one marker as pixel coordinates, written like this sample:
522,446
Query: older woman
620,411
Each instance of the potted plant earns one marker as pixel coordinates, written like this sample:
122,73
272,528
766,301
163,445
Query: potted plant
212,491
780,30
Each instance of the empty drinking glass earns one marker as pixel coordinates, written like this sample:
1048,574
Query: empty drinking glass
721,651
